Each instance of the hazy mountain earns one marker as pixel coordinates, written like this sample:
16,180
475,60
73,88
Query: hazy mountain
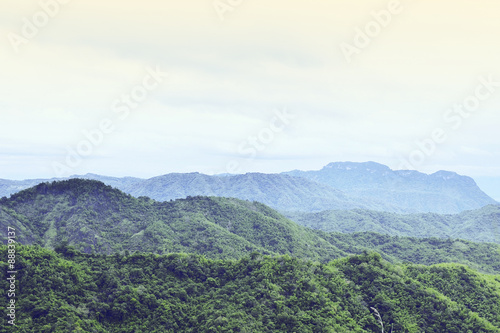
440,192
281,192
481,225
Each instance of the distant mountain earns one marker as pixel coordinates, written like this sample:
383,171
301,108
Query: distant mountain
96,218
441,192
281,192
481,225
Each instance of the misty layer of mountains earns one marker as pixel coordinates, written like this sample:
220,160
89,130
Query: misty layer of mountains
337,186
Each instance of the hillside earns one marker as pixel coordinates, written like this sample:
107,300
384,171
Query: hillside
96,218
484,257
442,192
69,291
481,225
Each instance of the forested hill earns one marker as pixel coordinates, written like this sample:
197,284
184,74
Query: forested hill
73,292
96,218
480,225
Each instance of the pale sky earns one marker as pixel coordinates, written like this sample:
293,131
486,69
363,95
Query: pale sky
356,86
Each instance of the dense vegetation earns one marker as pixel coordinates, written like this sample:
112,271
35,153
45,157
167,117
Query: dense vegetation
96,218
484,257
67,291
98,260
481,225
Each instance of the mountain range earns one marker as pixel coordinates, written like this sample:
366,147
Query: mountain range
342,185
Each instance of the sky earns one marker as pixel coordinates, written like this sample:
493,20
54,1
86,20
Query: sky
144,88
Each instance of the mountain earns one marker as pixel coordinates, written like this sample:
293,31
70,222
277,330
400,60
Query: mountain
67,291
281,192
96,218
441,192
481,225
9,187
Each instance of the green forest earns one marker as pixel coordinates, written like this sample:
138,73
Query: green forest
68,291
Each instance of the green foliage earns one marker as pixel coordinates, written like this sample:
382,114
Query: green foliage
484,257
190,293
96,218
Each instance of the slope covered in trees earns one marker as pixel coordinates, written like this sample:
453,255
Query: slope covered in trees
97,218
69,291
484,257
480,225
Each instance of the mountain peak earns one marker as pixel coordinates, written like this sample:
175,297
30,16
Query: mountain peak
369,166
76,186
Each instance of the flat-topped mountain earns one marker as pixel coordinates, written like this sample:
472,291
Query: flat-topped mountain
440,192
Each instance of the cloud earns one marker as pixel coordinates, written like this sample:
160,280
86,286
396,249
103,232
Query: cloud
227,77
